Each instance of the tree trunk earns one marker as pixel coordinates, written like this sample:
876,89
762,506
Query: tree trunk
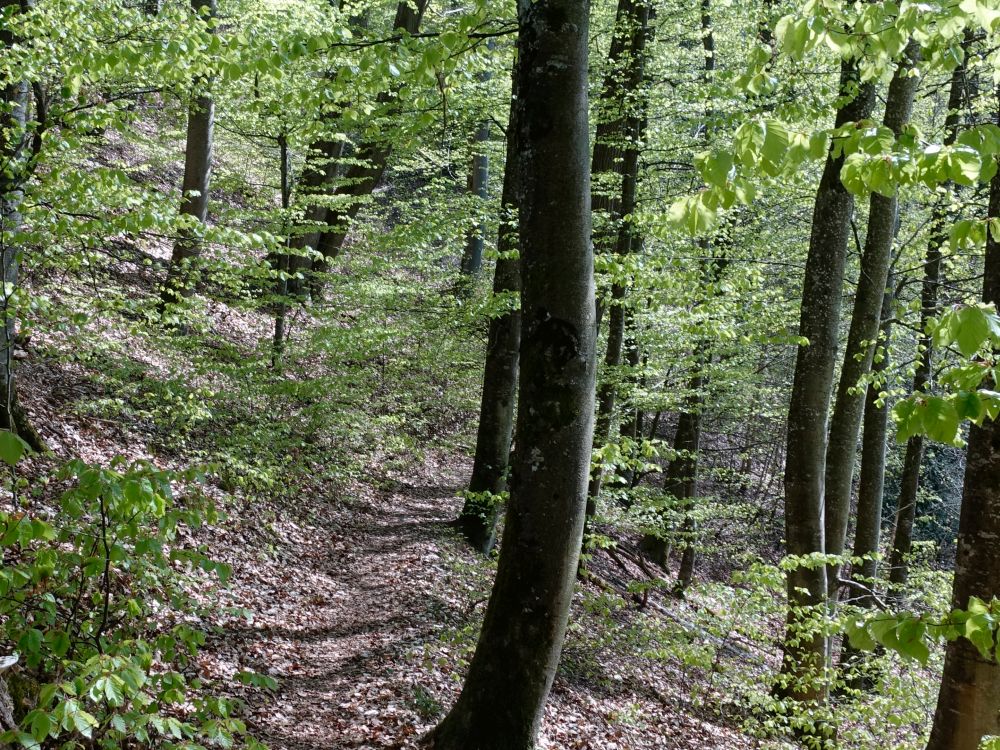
478,519
197,176
373,157
278,343
501,703
906,504
968,705
805,654
13,154
479,178
871,482
842,449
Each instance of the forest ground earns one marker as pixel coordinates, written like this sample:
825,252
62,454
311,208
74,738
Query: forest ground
361,613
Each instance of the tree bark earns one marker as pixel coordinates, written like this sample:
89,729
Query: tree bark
842,448
14,157
909,486
501,703
968,706
197,178
478,519
805,654
871,483
625,244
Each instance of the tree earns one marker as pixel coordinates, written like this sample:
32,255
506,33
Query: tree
479,515
623,91
968,706
842,447
501,702
805,653
906,502
197,175
14,154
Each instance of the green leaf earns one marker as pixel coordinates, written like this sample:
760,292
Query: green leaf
12,448
972,330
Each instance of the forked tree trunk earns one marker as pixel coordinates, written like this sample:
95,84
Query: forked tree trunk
842,448
197,177
909,485
478,519
805,653
968,707
501,704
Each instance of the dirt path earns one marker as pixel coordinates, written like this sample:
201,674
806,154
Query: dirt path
348,612
337,615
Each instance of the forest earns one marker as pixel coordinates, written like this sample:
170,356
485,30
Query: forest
468,375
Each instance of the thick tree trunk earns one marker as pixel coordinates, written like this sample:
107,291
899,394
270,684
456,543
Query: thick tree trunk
968,705
501,703
478,519
805,653
846,421
197,177
909,486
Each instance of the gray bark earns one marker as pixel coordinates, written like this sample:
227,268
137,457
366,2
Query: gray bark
15,167
805,655
906,503
510,675
846,421
634,18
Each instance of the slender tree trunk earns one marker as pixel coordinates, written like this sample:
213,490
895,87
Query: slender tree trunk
871,482
197,177
278,344
805,653
622,88
842,448
14,142
689,490
605,165
478,519
501,703
909,486
968,707
479,178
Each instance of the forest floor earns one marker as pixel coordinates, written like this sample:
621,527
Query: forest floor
365,610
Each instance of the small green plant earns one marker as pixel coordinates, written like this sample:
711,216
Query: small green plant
84,595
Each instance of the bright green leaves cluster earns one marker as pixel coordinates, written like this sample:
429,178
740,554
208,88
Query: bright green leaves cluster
969,385
69,601
913,635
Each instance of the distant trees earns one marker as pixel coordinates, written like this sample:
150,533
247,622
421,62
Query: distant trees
515,661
